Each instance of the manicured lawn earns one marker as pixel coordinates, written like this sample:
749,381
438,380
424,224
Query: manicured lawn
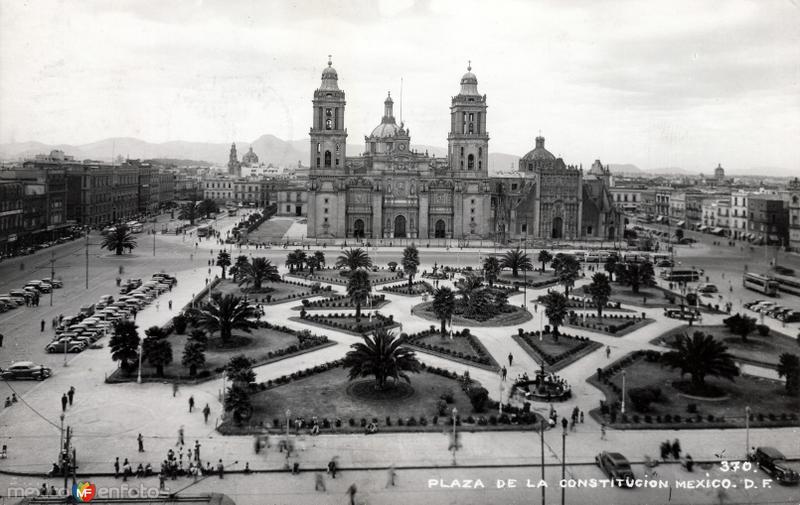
270,230
556,354
333,276
348,323
461,347
763,396
647,296
340,302
330,395
757,349
533,278
512,316
271,292
607,322
417,288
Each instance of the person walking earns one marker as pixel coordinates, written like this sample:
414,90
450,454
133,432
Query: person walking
191,404
503,373
319,482
42,325
71,394
1,339
64,402
116,468
221,469
140,439
197,451
332,468
391,477
206,412
180,436
351,492
170,304
603,431
608,351
174,389
510,359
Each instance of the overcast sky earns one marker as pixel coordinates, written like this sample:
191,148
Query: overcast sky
672,83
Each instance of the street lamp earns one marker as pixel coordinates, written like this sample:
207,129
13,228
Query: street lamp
747,430
455,440
541,435
623,392
139,375
288,414
501,394
563,456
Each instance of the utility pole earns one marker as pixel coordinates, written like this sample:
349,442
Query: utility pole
154,239
541,434
66,461
52,275
87,258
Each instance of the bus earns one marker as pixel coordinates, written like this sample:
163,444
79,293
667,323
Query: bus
760,283
203,230
787,283
232,211
135,227
686,275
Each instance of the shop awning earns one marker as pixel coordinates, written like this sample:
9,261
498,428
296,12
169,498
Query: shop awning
703,228
659,218
774,238
680,224
751,236
717,230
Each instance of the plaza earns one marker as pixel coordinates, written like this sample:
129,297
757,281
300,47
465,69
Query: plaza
106,418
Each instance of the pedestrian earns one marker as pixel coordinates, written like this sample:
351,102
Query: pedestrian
332,468
206,412
608,351
503,373
1,339
351,492
510,359
71,394
42,325
161,479
221,469
158,305
170,304
319,482
197,451
174,389
603,431
191,404
180,436
140,439
64,402
116,468
676,449
581,417
391,477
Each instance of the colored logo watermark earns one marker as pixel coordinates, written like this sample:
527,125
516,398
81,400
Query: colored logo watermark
84,492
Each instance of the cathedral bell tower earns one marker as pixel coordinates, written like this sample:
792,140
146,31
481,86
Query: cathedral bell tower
468,141
328,134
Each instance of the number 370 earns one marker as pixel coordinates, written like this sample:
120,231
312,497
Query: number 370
735,466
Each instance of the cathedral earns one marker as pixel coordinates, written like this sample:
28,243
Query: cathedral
392,191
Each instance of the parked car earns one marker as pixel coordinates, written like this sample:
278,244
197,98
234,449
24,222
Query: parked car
615,466
708,288
773,462
789,316
26,370
54,282
58,346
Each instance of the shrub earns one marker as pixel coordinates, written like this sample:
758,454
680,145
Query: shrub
448,396
352,422
642,397
388,421
762,329
441,407
478,396
179,324
691,408
412,421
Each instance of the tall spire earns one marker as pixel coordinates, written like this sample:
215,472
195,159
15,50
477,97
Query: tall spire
469,65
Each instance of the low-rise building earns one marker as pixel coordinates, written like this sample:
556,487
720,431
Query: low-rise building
794,215
738,217
11,196
768,219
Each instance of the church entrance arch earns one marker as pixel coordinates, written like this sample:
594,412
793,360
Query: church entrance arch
611,231
400,227
358,228
440,230
558,228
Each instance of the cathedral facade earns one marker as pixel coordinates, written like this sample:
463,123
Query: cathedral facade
392,191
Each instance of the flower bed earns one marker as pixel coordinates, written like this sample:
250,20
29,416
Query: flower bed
347,322
610,324
474,354
543,347
341,302
417,288
335,276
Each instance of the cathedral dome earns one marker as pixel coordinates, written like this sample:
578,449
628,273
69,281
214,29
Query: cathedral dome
469,83
539,153
329,77
388,126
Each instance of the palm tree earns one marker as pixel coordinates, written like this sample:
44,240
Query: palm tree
320,257
789,367
358,289
295,260
635,274
555,308
491,269
567,269
118,239
700,356
257,272
124,344
353,259
544,258
466,287
194,356
240,369
443,305
410,263
600,291
381,355
237,401
188,212
236,269
224,261
156,349
740,325
207,207
313,264
516,260
224,314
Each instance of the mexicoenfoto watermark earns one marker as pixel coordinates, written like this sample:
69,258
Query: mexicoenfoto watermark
84,492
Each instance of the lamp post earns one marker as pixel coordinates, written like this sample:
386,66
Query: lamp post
623,392
52,276
154,239
747,431
455,440
288,414
501,395
139,374
563,456
541,435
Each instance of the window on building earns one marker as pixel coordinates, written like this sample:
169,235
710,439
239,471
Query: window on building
471,117
317,161
326,201
328,124
470,162
328,113
589,230
472,201
319,147
462,152
337,148
472,220
326,220
337,162
472,210
327,158
325,210
514,186
524,228
288,208
471,128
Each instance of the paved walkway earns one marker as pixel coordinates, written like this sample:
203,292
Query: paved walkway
106,419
